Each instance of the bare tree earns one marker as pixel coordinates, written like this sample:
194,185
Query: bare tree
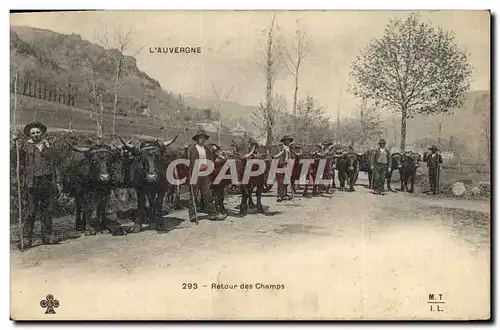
272,64
412,69
221,98
117,43
295,54
92,62
267,122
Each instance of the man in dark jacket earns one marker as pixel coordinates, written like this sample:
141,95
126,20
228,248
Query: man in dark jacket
201,153
380,165
433,163
41,182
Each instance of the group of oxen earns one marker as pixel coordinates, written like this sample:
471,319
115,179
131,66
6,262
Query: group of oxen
103,168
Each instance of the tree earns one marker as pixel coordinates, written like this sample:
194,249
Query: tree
299,50
221,98
309,116
117,43
413,69
359,130
271,65
271,121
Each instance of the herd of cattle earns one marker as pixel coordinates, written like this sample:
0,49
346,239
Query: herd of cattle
94,172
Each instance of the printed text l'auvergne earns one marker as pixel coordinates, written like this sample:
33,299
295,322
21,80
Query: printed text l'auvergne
175,50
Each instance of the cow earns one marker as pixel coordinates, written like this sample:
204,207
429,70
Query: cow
348,169
396,162
365,165
408,170
148,178
258,182
89,181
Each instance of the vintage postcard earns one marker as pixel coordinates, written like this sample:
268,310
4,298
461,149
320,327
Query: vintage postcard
250,165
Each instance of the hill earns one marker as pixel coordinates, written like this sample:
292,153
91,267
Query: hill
55,60
231,112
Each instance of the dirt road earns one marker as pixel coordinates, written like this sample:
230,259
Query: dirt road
351,255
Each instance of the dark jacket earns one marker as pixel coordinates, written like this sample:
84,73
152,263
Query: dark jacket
35,163
376,155
193,155
433,161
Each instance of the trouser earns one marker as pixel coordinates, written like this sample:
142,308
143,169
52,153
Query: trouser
379,175
39,203
433,179
207,196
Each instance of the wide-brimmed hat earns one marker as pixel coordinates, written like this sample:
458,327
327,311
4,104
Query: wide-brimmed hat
434,148
382,141
286,138
326,143
201,133
36,124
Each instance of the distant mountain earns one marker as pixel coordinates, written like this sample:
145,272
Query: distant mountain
57,60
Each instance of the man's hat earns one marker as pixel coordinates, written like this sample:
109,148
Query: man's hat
286,138
433,148
36,124
200,133
327,143
382,141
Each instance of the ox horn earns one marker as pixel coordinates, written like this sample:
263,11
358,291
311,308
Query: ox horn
78,149
279,153
126,144
169,142
250,153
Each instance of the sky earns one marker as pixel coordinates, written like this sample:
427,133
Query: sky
233,42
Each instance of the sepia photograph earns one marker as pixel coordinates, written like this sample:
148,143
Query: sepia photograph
250,165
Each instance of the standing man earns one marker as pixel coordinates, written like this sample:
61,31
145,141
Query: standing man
380,165
284,155
433,163
198,151
41,180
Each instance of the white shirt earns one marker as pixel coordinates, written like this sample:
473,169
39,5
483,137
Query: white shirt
287,151
203,154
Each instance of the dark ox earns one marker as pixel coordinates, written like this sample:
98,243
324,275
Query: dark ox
257,182
365,165
89,181
148,177
313,172
348,169
396,163
408,170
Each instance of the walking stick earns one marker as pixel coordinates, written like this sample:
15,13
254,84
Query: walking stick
191,190
19,196
438,171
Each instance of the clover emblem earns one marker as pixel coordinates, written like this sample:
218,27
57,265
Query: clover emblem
49,303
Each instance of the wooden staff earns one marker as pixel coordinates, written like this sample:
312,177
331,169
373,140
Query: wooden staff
18,174
191,189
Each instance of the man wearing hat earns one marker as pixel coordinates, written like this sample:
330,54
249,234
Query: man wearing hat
433,163
380,166
284,155
198,151
41,179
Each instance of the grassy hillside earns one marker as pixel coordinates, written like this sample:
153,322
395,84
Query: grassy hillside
57,61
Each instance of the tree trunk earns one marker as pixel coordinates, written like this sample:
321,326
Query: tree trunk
269,86
117,78
296,88
404,112
95,101
15,98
